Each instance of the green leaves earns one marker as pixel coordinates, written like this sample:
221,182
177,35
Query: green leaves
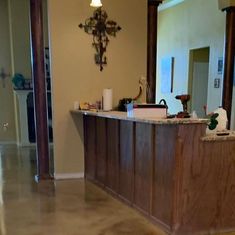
213,122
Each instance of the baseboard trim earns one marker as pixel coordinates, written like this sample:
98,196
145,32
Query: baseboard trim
26,145
31,145
7,142
69,176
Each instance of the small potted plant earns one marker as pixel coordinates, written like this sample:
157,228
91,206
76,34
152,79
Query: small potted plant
212,121
212,117
18,80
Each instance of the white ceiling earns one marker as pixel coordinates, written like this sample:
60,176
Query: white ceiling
169,3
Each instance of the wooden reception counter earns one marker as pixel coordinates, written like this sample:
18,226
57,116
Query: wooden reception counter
168,169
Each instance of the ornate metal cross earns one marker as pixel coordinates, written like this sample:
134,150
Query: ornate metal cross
100,28
3,76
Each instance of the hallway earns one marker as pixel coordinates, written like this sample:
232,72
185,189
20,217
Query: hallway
61,207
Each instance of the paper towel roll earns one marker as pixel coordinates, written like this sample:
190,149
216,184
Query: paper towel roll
107,99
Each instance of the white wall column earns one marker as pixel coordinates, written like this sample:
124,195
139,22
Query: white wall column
23,116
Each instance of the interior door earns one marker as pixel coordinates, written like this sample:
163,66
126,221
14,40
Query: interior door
7,120
200,87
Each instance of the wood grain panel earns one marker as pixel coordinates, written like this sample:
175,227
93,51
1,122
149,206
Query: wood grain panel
163,181
208,185
191,158
226,178
113,154
186,185
90,146
143,166
101,150
126,160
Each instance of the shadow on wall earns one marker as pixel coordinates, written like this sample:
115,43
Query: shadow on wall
78,121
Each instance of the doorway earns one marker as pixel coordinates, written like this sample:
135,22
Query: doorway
198,79
17,124
7,119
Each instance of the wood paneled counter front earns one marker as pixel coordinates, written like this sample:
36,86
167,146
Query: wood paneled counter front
166,169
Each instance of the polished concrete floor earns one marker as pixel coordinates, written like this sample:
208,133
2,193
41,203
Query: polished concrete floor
59,208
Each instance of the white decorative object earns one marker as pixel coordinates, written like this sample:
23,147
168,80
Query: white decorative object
107,99
222,119
76,105
194,115
23,116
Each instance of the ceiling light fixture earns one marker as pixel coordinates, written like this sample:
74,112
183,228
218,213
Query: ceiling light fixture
96,3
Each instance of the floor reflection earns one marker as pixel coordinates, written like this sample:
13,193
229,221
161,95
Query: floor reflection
72,207
58,208
2,216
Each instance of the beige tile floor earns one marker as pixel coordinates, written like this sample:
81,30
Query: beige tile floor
59,208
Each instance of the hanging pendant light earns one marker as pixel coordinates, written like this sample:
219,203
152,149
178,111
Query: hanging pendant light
96,3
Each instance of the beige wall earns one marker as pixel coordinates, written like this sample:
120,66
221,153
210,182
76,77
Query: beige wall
19,20
190,25
75,77
6,94
20,46
20,37
45,23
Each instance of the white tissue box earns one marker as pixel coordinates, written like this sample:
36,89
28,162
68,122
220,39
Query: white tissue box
146,110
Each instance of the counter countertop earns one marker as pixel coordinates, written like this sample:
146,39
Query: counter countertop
151,120
209,137
218,136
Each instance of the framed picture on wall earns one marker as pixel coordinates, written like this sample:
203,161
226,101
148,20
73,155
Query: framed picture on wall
167,69
220,65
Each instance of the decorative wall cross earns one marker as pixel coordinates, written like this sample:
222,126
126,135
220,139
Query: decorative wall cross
3,76
100,28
